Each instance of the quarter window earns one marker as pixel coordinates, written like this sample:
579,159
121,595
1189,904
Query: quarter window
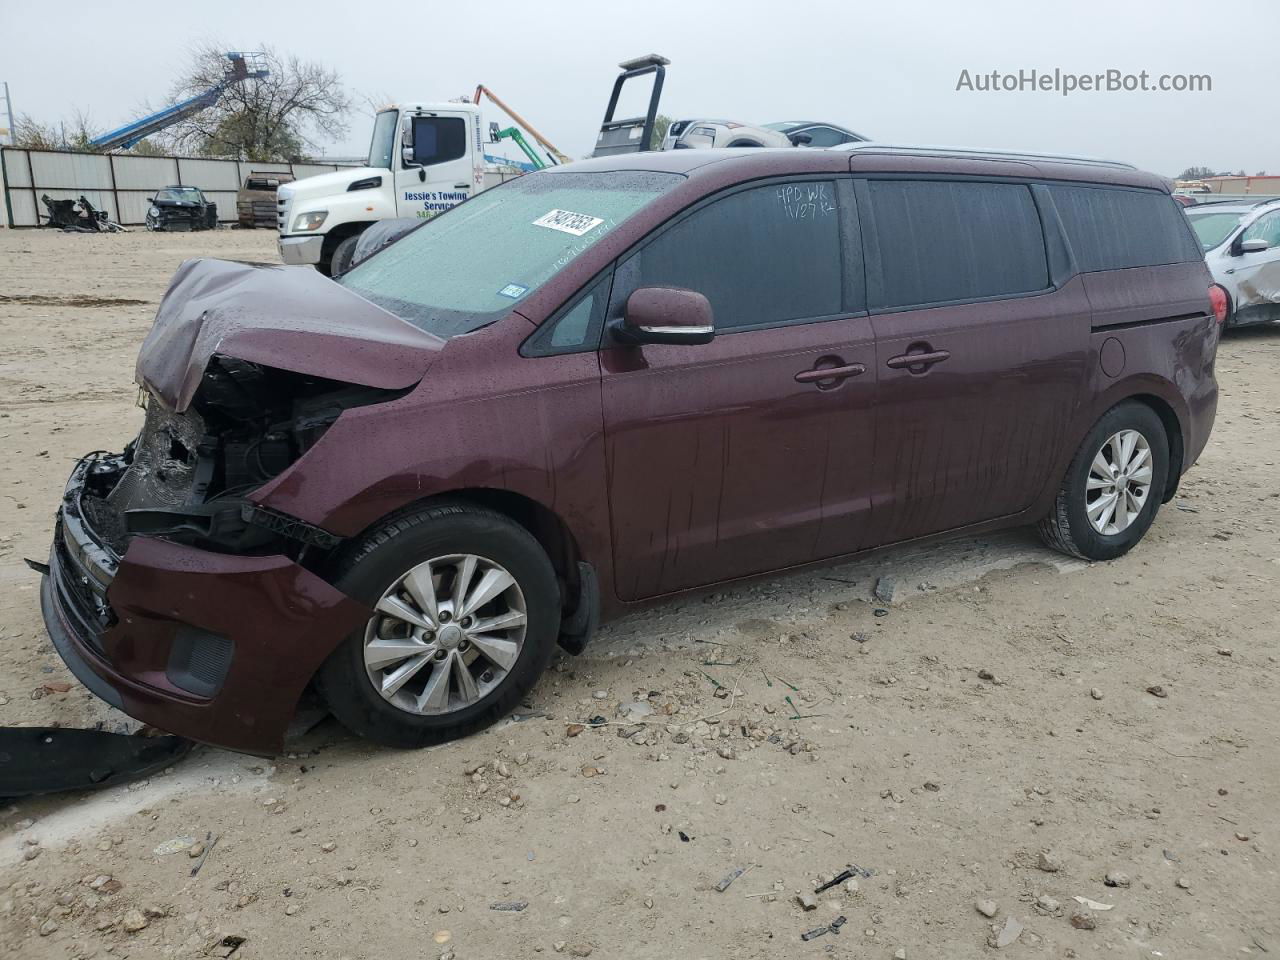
1113,229
762,256
945,241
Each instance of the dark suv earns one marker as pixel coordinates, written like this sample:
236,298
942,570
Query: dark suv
609,382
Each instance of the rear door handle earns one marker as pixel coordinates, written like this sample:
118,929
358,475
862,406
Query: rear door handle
922,360
819,374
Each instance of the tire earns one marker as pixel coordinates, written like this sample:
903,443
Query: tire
340,262
1069,527
153,225
435,538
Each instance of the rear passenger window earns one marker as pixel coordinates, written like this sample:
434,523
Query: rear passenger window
944,241
762,256
1113,229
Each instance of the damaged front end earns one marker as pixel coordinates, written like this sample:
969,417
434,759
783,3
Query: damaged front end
187,475
169,592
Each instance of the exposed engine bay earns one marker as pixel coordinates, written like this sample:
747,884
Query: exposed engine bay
186,475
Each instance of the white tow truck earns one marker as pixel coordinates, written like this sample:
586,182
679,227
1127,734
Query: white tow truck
424,158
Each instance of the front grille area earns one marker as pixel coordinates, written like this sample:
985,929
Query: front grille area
86,609
282,215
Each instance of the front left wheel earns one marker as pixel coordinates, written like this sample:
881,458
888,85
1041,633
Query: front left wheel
466,611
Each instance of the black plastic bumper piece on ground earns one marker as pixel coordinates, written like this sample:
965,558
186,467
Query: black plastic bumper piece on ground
35,760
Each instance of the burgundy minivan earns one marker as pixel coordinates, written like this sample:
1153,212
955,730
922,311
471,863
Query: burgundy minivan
605,383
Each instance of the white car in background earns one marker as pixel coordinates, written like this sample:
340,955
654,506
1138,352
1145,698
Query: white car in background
692,134
1241,241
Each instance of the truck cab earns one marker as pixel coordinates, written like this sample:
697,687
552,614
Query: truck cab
423,159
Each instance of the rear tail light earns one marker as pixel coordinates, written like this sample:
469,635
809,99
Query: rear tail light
1218,300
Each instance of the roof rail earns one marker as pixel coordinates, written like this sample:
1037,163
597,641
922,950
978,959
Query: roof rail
967,153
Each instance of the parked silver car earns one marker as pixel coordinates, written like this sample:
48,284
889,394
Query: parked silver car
687,134
1241,241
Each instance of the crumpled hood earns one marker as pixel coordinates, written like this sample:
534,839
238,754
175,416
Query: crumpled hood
292,318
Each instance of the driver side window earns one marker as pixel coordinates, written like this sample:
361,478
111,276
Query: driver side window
438,139
762,256
825,137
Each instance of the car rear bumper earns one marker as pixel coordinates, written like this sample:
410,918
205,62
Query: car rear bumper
213,647
300,251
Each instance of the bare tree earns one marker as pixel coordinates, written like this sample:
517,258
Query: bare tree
282,116
75,134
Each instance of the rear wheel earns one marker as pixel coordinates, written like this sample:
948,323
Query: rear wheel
466,613
1113,487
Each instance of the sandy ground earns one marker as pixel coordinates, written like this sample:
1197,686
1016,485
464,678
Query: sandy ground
998,711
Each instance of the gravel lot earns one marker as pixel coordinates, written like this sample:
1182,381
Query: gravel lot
995,723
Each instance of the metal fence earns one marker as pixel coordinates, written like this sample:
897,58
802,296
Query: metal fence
122,184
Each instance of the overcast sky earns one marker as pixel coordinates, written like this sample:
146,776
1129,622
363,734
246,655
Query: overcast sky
887,70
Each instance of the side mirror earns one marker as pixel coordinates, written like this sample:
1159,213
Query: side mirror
406,155
666,315
1254,246
800,139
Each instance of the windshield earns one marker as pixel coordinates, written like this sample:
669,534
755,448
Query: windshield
187,194
384,139
1213,228
455,274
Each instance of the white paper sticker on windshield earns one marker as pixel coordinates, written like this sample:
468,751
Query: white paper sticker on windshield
566,221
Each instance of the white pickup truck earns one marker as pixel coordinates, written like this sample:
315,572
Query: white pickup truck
424,158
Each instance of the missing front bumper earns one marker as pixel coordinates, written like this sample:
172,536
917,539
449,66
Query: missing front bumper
213,647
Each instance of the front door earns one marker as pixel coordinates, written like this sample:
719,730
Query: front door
981,364
739,456
1257,275
440,174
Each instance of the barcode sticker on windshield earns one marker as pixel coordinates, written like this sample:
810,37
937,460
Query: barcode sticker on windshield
566,221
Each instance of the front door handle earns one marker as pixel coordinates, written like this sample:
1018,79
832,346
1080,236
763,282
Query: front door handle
461,186
834,374
923,360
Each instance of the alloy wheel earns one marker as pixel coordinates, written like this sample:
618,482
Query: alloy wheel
445,634
1119,482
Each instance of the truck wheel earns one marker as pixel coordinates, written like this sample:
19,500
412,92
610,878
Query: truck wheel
340,262
466,610
1113,487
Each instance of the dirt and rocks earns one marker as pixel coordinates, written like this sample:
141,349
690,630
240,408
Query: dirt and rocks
988,757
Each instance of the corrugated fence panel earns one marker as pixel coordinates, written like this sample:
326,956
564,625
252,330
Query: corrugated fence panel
70,171
210,174
66,174
23,204
133,206
301,170
145,173
226,201
248,166
16,172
